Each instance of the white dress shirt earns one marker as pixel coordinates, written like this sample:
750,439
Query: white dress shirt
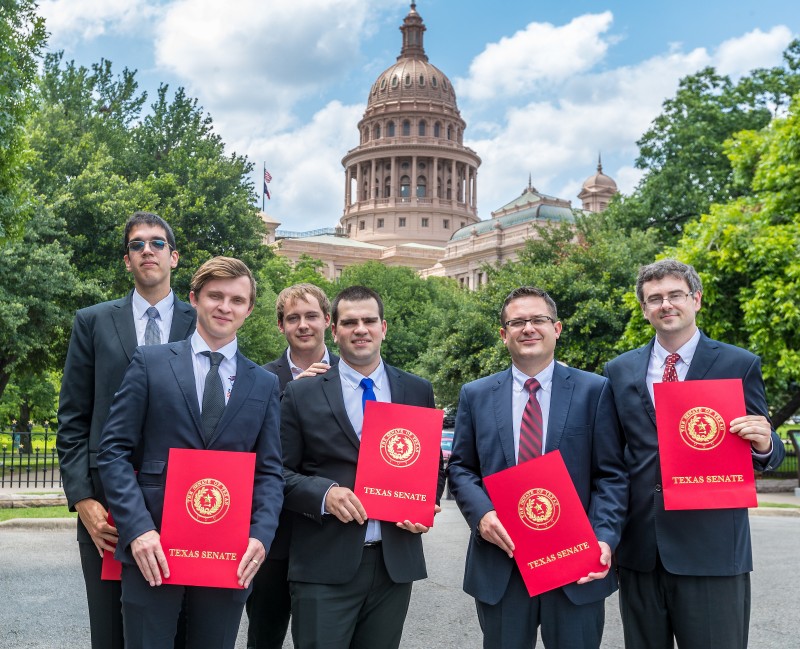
164,320
519,399
202,363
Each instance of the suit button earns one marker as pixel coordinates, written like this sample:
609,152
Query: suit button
658,487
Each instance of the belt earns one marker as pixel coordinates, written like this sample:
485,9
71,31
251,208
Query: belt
372,544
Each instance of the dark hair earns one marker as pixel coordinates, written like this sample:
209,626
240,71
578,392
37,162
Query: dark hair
667,267
222,268
528,291
147,218
355,294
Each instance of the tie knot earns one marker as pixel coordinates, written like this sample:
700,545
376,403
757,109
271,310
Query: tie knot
366,384
152,312
672,359
216,357
531,385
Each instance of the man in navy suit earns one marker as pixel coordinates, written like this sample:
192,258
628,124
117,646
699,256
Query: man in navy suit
577,417
684,575
349,577
167,400
304,313
104,338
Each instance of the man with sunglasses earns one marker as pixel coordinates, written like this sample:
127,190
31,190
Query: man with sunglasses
684,575
104,338
534,407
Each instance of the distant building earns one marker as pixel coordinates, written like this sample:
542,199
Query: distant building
411,186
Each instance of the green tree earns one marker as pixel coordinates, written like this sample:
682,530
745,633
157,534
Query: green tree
22,36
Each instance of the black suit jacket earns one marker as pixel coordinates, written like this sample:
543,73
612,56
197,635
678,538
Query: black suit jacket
320,449
156,409
709,542
100,349
280,368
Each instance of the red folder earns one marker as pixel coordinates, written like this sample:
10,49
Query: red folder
537,504
205,527
703,465
111,569
398,462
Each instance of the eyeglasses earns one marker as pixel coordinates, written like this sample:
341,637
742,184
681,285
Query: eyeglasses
675,298
536,321
156,245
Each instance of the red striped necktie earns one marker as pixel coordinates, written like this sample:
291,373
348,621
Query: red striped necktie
530,429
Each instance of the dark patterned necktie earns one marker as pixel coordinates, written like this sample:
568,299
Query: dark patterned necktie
213,396
530,428
152,333
670,373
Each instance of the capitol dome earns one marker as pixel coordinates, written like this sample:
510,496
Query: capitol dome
597,190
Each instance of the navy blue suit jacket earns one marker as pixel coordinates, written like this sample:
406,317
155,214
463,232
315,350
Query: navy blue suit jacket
157,409
698,542
582,425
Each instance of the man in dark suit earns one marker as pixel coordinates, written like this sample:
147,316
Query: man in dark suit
683,574
104,338
200,393
574,413
349,577
304,313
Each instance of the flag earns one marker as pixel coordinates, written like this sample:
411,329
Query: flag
267,179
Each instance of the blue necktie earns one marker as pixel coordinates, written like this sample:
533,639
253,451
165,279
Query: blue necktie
369,394
152,332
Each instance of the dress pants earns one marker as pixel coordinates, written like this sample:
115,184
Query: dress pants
151,613
699,612
512,623
269,606
368,612
104,599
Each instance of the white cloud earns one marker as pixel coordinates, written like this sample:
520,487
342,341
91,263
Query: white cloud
756,49
71,20
542,52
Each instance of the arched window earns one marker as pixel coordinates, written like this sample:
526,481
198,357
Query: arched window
407,80
422,128
421,187
387,187
390,129
422,80
449,132
366,135
395,81
405,187
377,132
406,128
437,130
433,82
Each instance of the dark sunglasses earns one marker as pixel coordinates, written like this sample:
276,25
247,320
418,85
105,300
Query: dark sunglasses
156,245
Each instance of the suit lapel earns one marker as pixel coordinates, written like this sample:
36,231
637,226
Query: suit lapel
704,357
123,323
560,400
183,369
640,378
501,400
182,321
332,389
396,384
242,386
284,372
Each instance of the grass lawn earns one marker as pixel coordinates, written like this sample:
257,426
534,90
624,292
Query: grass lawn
779,505
58,511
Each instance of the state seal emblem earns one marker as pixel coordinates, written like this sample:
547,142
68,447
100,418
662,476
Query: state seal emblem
702,428
207,501
539,509
400,447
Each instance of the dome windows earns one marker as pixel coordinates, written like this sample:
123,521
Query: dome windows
434,83
390,128
422,81
395,81
406,128
383,83
422,128
407,80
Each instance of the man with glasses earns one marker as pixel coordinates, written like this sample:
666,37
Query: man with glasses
683,574
104,338
534,407
304,313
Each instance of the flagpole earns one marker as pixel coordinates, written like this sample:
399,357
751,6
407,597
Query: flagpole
263,188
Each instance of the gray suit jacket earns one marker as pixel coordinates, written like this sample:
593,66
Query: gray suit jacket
706,542
101,347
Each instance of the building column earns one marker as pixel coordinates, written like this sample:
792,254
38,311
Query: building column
359,180
413,179
475,190
453,182
435,194
393,185
372,188
347,189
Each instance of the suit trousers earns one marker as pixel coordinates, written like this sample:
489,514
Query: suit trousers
512,623
699,612
104,599
269,606
151,614
366,613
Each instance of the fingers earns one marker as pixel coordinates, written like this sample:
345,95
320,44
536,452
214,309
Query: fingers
313,370
605,559
251,561
150,557
345,505
436,509
756,429
414,528
491,529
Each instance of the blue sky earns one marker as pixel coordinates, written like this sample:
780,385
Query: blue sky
543,86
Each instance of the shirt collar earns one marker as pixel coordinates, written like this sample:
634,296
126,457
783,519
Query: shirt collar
326,358
685,351
140,305
199,345
545,377
352,378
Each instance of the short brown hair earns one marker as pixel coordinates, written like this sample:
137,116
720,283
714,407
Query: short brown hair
222,268
667,268
528,291
301,292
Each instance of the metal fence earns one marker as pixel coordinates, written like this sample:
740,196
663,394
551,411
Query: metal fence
29,459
